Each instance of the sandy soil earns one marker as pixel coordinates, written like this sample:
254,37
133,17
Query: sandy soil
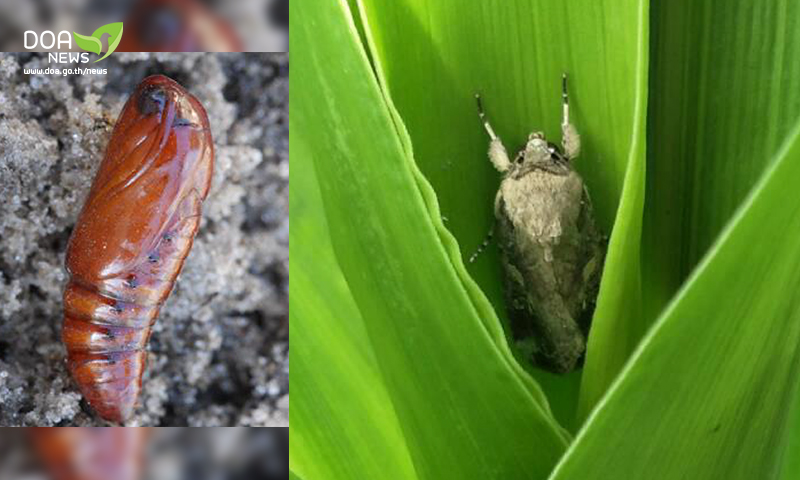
219,353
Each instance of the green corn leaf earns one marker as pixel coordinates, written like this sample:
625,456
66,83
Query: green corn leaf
725,93
464,408
294,476
340,403
692,362
437,55
710,391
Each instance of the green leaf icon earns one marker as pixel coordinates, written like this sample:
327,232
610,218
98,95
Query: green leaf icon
93,43
90,44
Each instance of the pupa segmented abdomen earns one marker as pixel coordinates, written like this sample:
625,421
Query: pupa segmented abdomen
129,244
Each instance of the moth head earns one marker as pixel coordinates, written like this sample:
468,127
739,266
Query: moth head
536,141
537,148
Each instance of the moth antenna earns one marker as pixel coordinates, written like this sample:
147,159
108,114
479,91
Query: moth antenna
483,245
564,99
482,115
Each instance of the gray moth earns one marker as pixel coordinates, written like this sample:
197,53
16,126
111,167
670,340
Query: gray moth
551,250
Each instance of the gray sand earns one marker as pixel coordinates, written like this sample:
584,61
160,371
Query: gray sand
219,353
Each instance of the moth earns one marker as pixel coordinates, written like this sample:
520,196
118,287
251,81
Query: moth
131,238
551,250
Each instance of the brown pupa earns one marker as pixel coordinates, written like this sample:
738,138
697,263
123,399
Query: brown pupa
132,236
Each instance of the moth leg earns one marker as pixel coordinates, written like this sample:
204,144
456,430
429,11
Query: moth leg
497,152
488,239
570,140
485,243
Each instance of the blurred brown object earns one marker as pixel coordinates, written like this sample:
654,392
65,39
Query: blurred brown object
84,453
177,26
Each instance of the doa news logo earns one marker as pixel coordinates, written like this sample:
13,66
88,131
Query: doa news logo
90,43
